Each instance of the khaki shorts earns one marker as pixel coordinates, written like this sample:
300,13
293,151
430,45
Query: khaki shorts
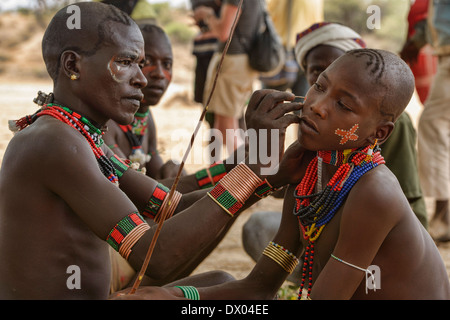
121,271
234,85
434,136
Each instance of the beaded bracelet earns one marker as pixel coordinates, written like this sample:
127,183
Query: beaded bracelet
155,202
231,192
208,177
224,199
126,233
119,165
189,292
172,206
287,260
265,189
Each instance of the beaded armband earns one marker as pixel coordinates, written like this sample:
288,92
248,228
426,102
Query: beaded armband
225,199
265,189
171,206
126,233
189,292
287,260
208,177
231,192
159,200
119,165
156,200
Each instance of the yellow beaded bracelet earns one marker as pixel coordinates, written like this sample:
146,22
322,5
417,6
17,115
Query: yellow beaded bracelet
287,260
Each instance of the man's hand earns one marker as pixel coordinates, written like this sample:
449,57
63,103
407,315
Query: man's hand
293,165
149,293
269,110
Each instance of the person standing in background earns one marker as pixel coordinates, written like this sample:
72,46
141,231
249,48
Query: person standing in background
289,18
235,84
416,52
204,46
434,123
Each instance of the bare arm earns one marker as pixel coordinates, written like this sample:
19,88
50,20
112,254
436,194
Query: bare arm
370,213
220,26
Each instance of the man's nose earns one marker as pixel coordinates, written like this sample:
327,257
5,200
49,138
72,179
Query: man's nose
139,80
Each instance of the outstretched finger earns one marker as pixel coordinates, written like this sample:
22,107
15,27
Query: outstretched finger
286,120
283,108
273,99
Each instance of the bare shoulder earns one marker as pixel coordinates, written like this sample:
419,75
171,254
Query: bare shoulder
378,196
50,143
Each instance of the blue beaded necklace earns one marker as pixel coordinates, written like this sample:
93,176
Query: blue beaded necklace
315,210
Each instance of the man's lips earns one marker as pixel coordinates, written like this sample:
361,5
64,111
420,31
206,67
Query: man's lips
136,99
308,125
156,89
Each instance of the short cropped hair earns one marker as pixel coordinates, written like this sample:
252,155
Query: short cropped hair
94,17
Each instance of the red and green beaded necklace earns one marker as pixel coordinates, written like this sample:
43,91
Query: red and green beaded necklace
315,209
91,133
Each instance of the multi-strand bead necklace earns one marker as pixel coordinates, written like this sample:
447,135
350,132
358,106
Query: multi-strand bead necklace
135,133
315,208
91,133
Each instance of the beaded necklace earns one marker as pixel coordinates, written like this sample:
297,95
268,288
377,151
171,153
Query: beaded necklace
315,209
135,133
91,133
139,125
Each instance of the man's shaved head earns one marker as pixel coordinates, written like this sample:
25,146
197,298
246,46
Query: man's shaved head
95,32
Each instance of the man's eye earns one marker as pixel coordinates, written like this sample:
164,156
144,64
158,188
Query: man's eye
318,87
168,65
125,62
343,106
147,61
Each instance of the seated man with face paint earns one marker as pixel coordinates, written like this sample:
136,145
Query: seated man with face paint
65,197
344,210
317,47
138,140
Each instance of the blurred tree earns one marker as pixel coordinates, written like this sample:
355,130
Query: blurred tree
352,13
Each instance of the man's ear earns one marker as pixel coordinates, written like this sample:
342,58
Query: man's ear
383,132
70,64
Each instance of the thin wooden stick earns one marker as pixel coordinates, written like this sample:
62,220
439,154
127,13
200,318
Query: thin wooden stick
165,209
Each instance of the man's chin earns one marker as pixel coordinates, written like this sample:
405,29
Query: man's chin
150,102
125,119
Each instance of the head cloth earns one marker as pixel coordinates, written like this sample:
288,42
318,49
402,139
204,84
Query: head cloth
326,33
